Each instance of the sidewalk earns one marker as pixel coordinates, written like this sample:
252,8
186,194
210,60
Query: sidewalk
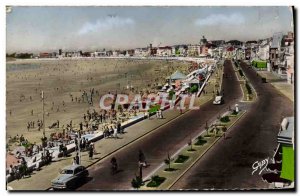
280,84
41,180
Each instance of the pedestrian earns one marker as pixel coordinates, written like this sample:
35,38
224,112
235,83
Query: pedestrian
142,159
101,117
91,152
80,126
77,159
119,127
115,132
114,165
181,112
74,161
11,171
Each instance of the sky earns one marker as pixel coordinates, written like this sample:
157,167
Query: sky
42,29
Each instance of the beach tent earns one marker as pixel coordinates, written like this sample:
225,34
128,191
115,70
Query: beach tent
177,75
197,72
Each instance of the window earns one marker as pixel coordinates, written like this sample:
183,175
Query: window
67,171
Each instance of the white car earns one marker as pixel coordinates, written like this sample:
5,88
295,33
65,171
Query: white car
69,177
218,100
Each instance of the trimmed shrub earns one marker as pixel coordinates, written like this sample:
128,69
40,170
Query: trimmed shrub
225,119
181,159
241,72
248,87
156,181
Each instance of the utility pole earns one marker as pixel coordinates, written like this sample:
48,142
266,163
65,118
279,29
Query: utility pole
78,143
44,134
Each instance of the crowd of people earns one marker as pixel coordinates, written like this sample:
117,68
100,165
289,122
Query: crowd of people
107,121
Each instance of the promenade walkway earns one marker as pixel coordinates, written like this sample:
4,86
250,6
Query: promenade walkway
281,85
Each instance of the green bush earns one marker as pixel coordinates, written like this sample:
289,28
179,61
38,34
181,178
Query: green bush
234,112
236,64
181,159
154,108
194,89
170,169
137,182
241,72
248,88
200,141
225,119
156,181
171,93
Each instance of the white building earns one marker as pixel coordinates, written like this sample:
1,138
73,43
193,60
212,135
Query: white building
193,50
141,52
263,50
164,51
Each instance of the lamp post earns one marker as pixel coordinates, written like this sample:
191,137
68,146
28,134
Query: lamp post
44,133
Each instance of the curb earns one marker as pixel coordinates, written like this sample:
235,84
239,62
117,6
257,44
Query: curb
195,161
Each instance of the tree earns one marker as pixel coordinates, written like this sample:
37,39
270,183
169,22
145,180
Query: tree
190,143
224,129
206,128
171,93
168,161
137,182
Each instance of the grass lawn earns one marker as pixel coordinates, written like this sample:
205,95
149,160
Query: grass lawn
259,64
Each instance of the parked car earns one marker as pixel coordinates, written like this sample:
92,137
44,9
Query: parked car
69,177
218,100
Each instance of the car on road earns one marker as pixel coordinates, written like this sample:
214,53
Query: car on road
69,177
218,100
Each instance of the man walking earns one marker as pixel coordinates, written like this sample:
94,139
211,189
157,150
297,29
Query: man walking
77,159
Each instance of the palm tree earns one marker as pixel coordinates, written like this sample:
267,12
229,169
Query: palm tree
224,129
168,161
190,143
206,128
136,182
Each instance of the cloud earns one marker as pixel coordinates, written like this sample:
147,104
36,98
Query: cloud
219,19
106,24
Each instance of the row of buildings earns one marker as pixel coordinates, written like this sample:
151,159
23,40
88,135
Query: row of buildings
276,52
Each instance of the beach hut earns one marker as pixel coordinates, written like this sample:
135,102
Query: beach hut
177,75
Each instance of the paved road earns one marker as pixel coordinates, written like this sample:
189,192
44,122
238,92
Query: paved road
228,165
170,138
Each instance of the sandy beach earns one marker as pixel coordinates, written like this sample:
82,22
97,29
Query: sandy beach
64,80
